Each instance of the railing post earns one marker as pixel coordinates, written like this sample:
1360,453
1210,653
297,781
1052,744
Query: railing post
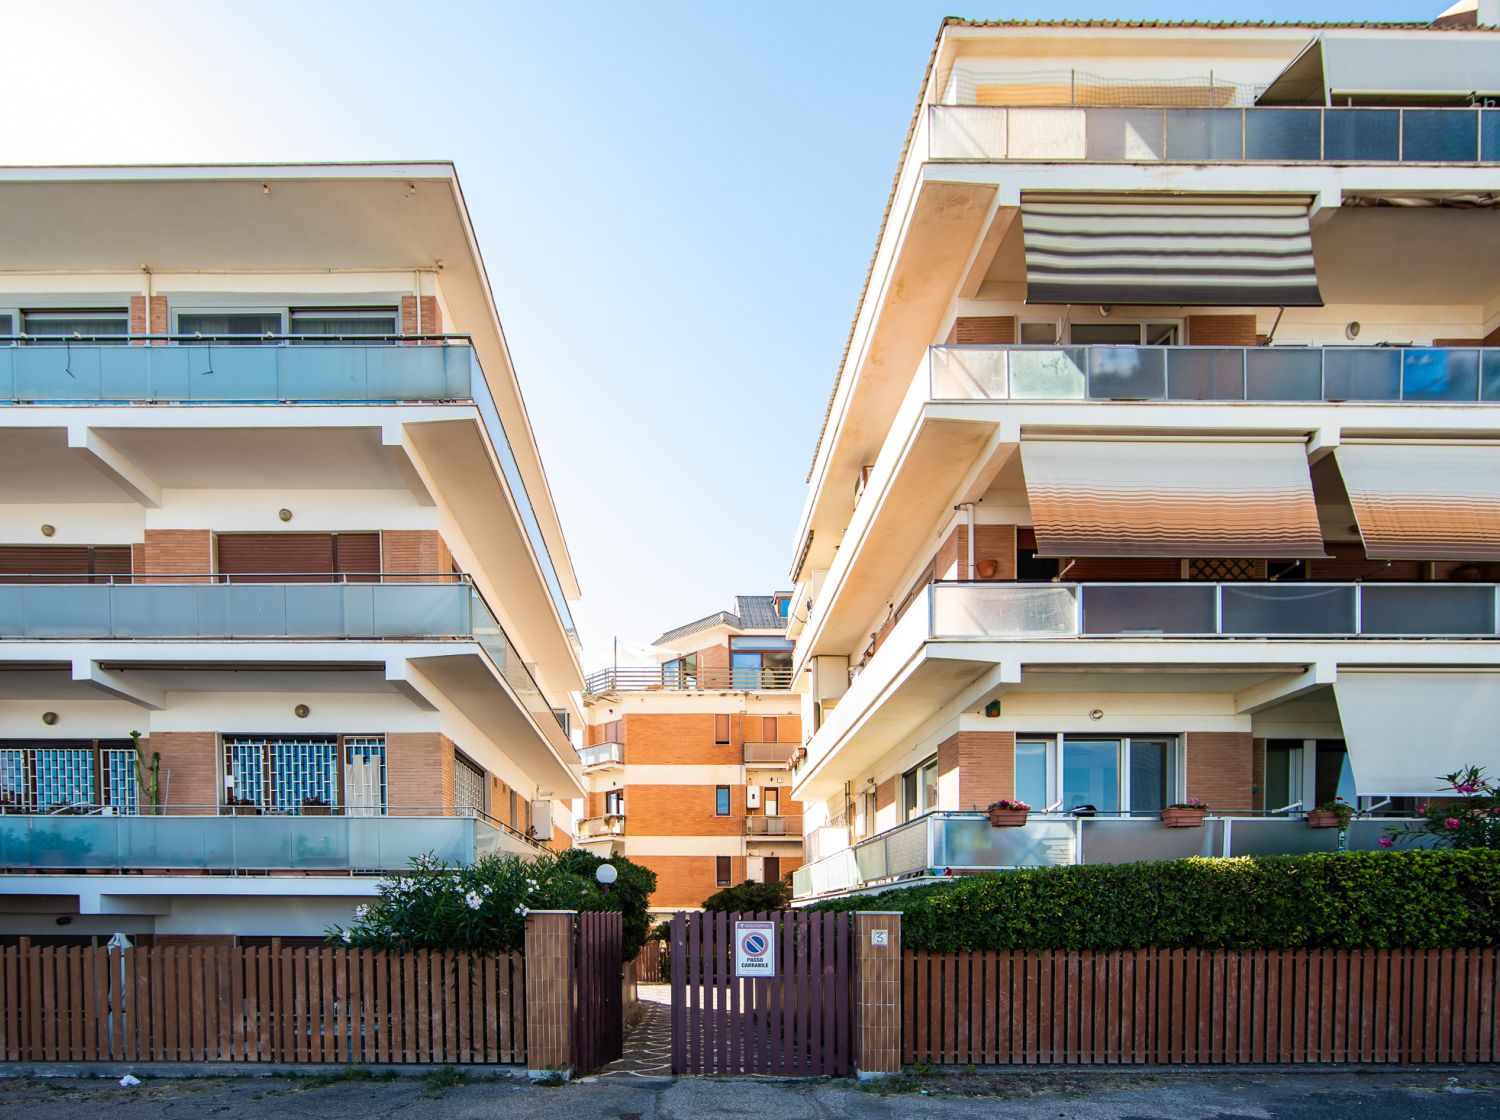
549,993
877,1017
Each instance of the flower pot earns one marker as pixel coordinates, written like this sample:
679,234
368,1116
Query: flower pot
1183,818
316,810
1322,818
1008,818
987,569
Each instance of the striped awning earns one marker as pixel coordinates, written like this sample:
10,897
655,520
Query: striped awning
1208,498
1199,250
1424,501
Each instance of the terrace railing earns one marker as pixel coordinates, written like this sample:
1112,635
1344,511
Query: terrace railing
645,678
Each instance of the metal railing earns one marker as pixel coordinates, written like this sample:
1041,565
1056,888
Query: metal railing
767,754
601,754
234,839
273,369
1405,374
210,606
787,828
1194,609
1204,135
942,843
646,678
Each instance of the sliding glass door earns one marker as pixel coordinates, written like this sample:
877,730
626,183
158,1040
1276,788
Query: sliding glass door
1138,775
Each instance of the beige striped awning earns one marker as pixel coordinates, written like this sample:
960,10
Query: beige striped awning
1215,498
1424,501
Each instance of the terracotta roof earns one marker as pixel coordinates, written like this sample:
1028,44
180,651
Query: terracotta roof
756,612
1219,25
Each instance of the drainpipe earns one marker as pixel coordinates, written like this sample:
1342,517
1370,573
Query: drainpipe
969,506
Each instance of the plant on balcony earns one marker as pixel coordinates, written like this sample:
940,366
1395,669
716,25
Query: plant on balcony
147,777
1007,813
241,806
11,802
1331,814
315,806
482,907
1185,814
1468,819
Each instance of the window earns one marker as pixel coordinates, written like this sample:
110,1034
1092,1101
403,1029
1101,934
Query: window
721,731
721,801
1125,334
227,326
82,774
305,774
919,789
90,323
614,803
468,785
343,323
564,720
1039,334
760,663
771,799
298,557
1140,775
1306,773
681,673
723,869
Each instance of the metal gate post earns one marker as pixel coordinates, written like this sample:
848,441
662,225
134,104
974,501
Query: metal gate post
549,993
877,1014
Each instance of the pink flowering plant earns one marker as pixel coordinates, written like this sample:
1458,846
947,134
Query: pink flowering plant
1468,819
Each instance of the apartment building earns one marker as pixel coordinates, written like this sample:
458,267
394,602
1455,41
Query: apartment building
272,501
1164,458
687,757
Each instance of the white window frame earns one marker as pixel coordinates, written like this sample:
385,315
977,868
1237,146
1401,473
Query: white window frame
1179,325
1056,743
237,309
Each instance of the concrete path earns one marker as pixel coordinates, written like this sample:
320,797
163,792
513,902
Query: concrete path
648,1044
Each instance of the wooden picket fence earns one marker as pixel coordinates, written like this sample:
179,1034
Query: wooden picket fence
1170,1006
220,1004
649,965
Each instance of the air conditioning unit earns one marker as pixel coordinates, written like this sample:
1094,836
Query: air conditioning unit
752,797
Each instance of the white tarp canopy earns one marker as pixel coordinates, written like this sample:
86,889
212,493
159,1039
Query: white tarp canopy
1404,729
1352,64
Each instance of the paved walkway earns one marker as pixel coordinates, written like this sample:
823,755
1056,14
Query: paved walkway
648,1046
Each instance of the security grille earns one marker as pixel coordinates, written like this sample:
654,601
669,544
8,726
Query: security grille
15,779
468,785
64,777
120,788
281,774
1220,570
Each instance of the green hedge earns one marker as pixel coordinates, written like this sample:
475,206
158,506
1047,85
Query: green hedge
1358,900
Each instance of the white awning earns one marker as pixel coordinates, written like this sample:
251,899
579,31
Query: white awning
1424,501
1342,65
1404,730
1197,249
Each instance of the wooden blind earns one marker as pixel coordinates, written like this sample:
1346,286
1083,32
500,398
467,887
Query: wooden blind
357,555
721,730
304,557
768,729
61,562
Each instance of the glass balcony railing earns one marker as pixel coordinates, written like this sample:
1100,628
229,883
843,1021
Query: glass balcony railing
1414,374
274,370
1289,609
184,609
245,843
944,842
601,755
1248,135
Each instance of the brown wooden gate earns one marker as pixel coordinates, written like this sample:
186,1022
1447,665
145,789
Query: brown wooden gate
598,1009
798,1023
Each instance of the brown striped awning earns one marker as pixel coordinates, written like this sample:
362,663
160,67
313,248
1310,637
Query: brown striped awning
1218,498
1424,501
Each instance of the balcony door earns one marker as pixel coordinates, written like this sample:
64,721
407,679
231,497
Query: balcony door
364,776
1136,775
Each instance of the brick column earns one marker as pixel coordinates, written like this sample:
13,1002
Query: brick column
549,993
877,1021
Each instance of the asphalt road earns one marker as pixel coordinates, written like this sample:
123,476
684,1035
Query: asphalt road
1041,1095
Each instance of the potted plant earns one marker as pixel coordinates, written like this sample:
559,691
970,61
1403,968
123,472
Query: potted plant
1185,814
1008,813
241,807
1331,814
315,806
11,802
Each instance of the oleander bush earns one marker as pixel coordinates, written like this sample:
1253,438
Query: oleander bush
1354,900
483,907
749,897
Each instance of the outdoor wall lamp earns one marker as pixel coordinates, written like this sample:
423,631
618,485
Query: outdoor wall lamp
48,530
49,718
284,514
301,711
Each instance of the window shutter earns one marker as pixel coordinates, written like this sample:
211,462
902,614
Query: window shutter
768,729
112,560
357,557
276,557
18,561
721,730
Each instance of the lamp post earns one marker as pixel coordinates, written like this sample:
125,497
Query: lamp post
606,874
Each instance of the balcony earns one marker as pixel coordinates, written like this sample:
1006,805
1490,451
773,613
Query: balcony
1292,609
594,828
1398,375
201,840
774,828
945,842
651,678
774,756
604,756
973,133
282,369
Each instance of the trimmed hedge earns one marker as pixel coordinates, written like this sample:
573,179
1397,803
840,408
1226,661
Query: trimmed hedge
1356,900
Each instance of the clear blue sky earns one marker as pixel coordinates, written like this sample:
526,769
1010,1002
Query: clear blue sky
676,202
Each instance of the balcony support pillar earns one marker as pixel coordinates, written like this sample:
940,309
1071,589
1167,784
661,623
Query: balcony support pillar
1282,688
118,684
104,457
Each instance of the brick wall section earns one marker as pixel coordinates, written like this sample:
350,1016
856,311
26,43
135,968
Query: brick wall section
432,315
418,771
1221,330
409,315
561,838
549,990
683,882
877,1020
138,319
189,768
682,811
684,738
982,330
417,551
158,315
986,765
174,550
1220,769
991,542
